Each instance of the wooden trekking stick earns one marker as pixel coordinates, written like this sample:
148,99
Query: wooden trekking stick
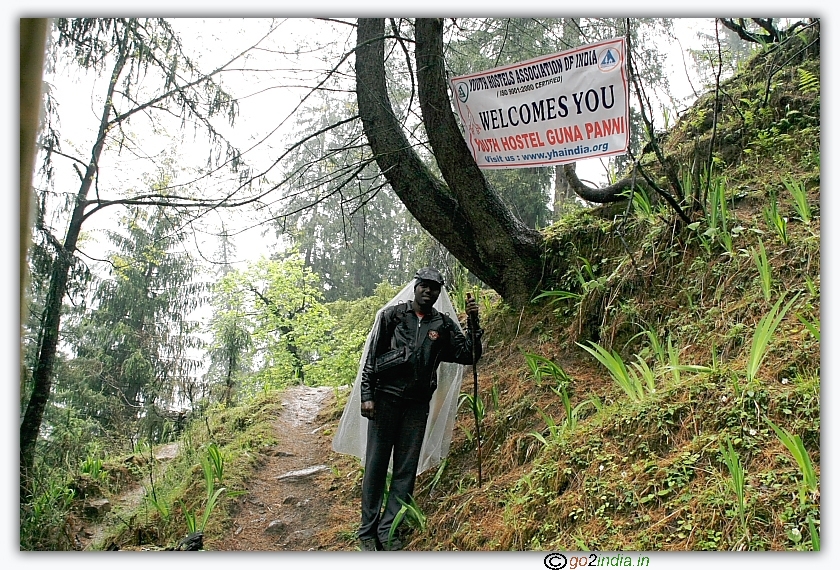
473,326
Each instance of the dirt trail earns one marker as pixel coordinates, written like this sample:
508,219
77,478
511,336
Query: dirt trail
88,535
289,500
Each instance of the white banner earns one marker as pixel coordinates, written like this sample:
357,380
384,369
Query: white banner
549,110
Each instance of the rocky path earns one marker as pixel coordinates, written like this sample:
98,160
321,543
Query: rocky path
288,506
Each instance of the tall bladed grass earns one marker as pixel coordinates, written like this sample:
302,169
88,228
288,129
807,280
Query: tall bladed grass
217,461
764,270
542,367
213,466
410,511
554,430
719,215
646,377
738,480
764,333
656,345
800,198
674,360
815,535
556,296
626,379
775,220
794,445
93,467
475,404
570,421
813,328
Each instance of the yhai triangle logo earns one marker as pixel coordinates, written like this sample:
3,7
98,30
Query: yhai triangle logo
609,59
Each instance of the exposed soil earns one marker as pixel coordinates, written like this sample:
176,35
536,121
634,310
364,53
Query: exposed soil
293,502
303,496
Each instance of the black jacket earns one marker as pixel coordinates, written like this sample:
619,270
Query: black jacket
434,340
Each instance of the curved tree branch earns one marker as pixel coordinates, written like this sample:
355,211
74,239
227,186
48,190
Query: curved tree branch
422,193
463,214
606,195
508,253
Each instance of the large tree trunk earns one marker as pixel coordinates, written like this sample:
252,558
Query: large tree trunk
33,42
43,370
564,193
463,214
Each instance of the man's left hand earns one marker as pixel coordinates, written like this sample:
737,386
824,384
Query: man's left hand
472,307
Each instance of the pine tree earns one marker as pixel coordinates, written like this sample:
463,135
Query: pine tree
137,342
148,73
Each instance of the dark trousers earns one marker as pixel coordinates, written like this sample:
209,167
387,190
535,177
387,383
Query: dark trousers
398,426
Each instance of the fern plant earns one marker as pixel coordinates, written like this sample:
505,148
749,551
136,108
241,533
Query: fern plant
808,82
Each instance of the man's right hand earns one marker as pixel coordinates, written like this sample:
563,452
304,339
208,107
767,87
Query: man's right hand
367,409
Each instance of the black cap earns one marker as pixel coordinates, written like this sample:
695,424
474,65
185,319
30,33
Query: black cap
429,274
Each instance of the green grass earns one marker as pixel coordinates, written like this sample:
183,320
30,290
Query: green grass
776,221
737,482
800,198
764,269
542,367
794,445
625,378
764,333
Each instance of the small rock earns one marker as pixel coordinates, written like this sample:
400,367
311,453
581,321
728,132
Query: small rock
303,473
168,451
298,536
280,453
192,542
97,507
136,460
276,527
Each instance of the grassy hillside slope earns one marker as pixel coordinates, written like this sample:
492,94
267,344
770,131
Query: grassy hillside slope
686,456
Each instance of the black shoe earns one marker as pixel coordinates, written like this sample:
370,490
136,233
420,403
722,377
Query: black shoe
394,544
368,544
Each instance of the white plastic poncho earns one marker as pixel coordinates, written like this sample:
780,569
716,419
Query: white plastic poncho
351,437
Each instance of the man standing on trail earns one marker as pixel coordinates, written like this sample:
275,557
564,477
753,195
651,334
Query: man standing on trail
399,375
